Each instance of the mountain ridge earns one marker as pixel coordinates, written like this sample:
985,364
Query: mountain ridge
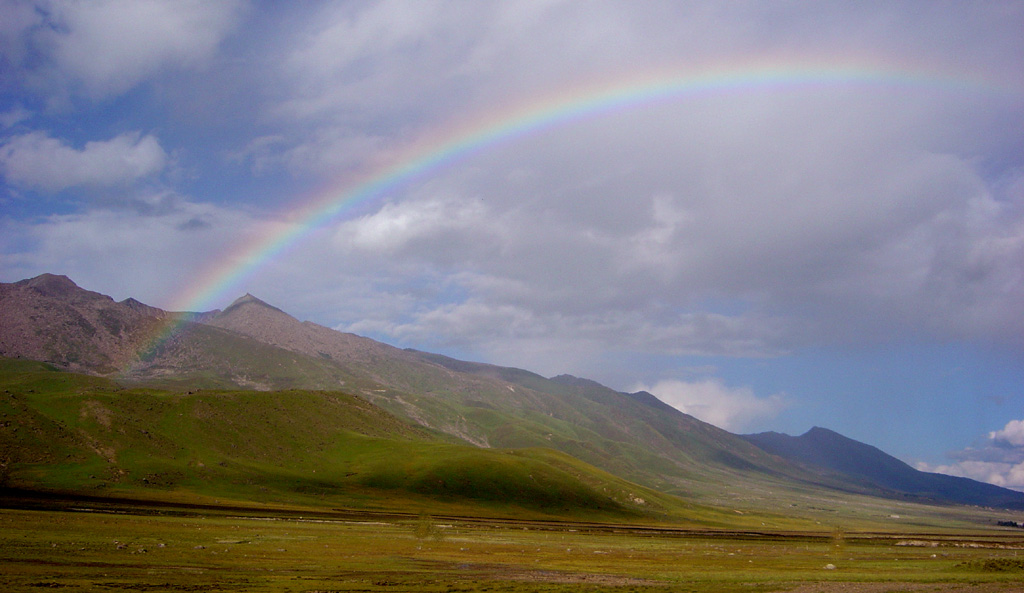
254,345
827,449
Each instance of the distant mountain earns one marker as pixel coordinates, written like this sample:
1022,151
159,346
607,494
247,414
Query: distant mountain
864,464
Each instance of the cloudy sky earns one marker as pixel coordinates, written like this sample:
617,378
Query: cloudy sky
827,230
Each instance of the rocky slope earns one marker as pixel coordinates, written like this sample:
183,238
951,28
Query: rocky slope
49,318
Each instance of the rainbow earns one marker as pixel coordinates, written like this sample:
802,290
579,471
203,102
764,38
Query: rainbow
449,145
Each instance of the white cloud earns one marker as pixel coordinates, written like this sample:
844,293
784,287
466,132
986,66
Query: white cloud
999,461
38,161
355,75
710,400
128,252
1012,434
362,60
109,46
1007,475
397,226
348,61
463,319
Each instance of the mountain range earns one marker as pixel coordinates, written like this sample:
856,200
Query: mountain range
256,347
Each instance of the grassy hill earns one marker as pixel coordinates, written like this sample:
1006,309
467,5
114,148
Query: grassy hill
74,433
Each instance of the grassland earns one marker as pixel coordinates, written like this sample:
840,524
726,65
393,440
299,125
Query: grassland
96,546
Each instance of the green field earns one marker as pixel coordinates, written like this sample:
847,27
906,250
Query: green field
122,546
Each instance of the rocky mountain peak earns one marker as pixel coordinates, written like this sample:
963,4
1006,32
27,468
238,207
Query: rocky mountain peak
248,300
52,285
140,307
252,317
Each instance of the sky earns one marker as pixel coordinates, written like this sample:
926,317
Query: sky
771,215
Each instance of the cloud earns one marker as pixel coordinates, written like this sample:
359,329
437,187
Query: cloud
710,400
1011,435
444,228
14,116
518,329
999,461
833,214
127,252
353,61
1007,475
37,161
109,46
19,17
507,283
384,72
937,254
836,214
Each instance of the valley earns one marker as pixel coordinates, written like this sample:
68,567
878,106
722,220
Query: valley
113,488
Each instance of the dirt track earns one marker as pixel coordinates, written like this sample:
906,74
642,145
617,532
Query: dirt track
834,587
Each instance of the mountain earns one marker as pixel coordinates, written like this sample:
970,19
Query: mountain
251,344
50,318
861,463
254,345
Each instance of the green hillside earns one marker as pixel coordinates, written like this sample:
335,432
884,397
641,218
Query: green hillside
252,345
486,405
252,404
75,433
203,356
663,449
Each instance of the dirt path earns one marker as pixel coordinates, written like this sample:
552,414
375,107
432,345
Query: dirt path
835,587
